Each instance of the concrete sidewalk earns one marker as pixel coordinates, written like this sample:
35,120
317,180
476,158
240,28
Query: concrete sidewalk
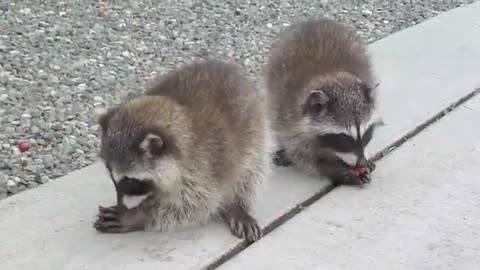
421,72
422,212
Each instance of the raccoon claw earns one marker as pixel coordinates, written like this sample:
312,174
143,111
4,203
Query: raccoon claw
243,225
108,220
108,210
248,229
109,226
371,166
365,178
111,220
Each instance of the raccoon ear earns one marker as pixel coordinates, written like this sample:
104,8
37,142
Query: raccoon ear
103,116
152,145
316,101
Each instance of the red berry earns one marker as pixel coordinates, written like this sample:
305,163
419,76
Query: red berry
361,170
23,146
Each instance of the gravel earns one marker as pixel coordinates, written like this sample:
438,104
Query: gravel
61,60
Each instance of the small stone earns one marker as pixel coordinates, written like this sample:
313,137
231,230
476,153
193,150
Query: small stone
45,179
26,120
367,12
16,179
98,99
48,161
269,25
48,136
67,145
4,165
3,179
31,169
25,161
32,184
15,151
25,11
81,87
35,130
11,183
3,97
12,187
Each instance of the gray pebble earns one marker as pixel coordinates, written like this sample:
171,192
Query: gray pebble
3,179
4,165
12,187
35,130
45,179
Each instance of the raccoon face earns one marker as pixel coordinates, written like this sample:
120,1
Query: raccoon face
341,117
349,144
141,159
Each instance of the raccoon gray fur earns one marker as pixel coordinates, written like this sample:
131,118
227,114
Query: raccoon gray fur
196,145
321,93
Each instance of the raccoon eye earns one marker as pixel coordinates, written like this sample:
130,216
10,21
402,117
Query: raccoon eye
338,142
367,136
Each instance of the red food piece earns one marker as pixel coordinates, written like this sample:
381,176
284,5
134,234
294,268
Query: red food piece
361,170
23,146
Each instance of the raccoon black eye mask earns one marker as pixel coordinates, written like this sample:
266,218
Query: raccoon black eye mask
344,143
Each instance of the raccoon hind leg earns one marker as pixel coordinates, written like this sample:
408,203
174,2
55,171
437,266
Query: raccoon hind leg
236,213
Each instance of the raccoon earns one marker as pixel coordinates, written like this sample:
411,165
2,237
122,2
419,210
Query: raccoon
321,89
196,145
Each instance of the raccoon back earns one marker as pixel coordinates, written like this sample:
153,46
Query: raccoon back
227,113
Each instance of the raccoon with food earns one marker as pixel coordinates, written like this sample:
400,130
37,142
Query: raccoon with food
321,89
195,145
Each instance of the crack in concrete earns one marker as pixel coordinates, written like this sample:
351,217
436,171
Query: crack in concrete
379,155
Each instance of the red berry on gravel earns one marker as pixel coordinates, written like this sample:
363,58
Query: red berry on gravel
23,146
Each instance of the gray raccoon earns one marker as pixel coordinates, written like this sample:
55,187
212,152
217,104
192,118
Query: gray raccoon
196,145
321,92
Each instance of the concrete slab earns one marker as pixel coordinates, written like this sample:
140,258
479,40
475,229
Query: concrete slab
424,68
421,213
55,221
56,218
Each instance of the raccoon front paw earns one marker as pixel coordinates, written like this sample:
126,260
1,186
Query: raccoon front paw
281,160
112,220
371,166
243,225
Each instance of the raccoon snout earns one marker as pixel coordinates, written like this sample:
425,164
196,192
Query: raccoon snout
132,192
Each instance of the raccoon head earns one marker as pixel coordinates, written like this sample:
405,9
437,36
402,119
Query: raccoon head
140,147
339,113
